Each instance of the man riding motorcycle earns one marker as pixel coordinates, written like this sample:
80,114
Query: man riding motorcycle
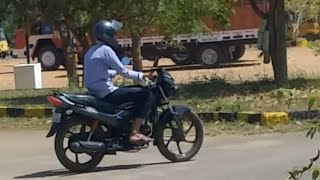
102,63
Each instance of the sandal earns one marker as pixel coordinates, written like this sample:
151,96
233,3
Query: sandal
139,139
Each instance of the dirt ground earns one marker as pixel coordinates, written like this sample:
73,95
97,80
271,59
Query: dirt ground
301,63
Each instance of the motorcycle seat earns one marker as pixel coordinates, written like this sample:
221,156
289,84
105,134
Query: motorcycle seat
88,100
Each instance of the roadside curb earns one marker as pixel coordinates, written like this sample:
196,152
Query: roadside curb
28,112
264,118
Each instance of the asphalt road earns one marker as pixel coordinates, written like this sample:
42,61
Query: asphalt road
28,155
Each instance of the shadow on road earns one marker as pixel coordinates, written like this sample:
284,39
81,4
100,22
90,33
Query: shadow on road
8,72
242,63
199,67
63,172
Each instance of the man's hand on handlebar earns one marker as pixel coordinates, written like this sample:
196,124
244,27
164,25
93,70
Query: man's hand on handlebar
149,76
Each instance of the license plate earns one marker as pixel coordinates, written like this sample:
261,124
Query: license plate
56,117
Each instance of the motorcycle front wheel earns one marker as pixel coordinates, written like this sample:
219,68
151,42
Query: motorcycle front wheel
73,130
170,142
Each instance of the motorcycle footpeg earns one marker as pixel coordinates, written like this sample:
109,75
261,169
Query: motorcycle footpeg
140,143
115,147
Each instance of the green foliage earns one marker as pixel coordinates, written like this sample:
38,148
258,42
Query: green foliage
185,15
279,95
315,46
9,17
137,15
311,102
8,25
182,16
289,95
303,11
174,16
297,174
309,8
315,174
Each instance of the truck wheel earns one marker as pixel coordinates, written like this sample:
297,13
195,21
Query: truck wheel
50,58
238,52
4,55
209,56
181,58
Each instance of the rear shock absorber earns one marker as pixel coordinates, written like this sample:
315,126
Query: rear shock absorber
93,129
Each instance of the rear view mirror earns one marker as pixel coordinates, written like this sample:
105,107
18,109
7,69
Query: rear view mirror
126,60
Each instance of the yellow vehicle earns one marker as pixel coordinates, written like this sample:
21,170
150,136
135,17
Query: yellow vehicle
308,29
4,46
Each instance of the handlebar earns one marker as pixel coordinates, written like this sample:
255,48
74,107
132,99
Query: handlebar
148,83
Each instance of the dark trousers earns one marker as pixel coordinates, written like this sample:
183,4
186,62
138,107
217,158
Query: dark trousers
138,95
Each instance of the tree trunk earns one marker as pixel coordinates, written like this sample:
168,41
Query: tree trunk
136,52
278,41
27,35
68,51
72,74
257,10
276,27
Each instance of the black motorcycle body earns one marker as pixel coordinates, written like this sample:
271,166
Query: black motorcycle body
110,125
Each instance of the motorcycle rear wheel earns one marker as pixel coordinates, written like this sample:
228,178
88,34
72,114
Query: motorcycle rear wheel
197,143
60,150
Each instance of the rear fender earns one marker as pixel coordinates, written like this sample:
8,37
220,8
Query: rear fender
64,109
53,130
56,124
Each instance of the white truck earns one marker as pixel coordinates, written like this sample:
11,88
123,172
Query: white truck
207,49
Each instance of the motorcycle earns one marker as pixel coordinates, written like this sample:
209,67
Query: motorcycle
96,128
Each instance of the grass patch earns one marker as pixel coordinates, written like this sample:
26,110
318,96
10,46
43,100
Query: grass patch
315,46
221,88
21,98
204,96
210,95
261,96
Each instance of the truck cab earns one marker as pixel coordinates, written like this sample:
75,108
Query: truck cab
45,46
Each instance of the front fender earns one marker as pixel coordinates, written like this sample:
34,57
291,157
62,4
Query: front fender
168,115
178,111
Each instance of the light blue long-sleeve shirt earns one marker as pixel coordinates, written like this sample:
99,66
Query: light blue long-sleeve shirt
101,65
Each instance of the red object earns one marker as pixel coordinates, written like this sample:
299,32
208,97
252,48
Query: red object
245,17
20,39
54,101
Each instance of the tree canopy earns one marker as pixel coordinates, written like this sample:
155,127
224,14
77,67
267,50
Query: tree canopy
309,8
181,16
137,15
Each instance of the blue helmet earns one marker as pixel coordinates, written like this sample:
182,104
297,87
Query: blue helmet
104,31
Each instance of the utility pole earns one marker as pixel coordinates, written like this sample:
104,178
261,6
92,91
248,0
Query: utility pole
27,34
